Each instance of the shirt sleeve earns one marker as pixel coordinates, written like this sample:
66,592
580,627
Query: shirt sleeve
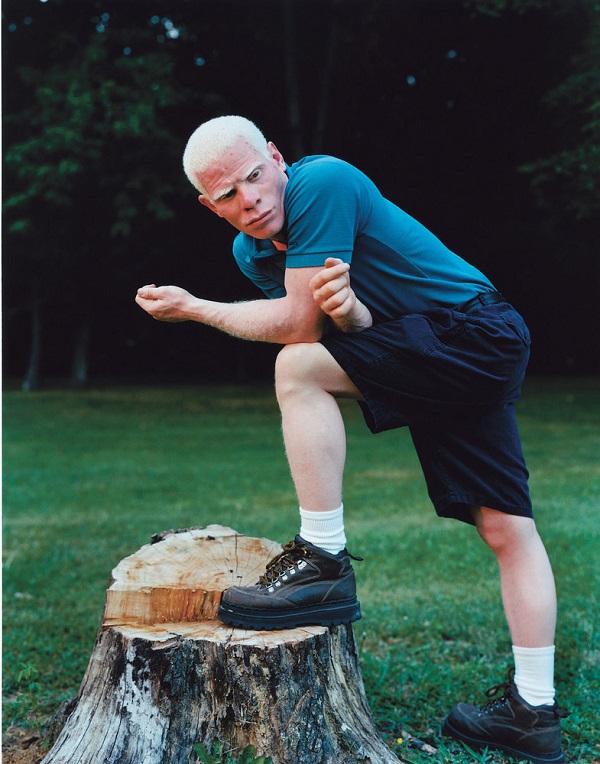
325,205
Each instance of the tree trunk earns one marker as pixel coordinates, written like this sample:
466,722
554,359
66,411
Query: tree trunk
165,674
79,367
32,380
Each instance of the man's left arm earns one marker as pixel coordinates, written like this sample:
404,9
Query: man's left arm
333,294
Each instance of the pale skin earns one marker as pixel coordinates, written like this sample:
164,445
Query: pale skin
246,189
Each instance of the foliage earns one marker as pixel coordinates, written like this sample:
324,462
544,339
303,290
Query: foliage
217,755
98,105
90,476
496,8
92,133
91,160
568,179
573,173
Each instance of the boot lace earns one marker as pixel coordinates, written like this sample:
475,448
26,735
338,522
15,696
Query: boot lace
507,688
504,688
291,554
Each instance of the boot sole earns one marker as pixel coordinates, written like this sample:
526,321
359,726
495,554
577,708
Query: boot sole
556,757
327,614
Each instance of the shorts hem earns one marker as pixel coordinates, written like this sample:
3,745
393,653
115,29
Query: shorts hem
373,419
458,507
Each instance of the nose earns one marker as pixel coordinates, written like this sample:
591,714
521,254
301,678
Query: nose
250,197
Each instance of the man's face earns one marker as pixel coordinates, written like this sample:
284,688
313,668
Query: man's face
246,188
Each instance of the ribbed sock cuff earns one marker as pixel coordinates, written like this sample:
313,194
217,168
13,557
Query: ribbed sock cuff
324,529
534,674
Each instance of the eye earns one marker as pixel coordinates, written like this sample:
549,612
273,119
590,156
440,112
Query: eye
255,175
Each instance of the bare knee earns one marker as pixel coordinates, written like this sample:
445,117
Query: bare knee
293,359
502,532
295,368
308,367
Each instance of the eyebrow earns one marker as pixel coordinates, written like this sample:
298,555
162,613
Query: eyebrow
222,194
227,189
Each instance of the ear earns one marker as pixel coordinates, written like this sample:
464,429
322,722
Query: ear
206,202
276,154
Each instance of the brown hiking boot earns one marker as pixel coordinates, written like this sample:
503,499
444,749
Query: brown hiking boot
511,725
302,586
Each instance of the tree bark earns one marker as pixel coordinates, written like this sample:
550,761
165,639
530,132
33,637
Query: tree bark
32,380
79,367
165,674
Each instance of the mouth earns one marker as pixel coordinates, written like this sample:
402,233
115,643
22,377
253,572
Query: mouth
260,219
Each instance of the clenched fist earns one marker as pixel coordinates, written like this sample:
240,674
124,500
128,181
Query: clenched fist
166,303
332,292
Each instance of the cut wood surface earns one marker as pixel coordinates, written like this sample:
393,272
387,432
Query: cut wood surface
180,577
165,674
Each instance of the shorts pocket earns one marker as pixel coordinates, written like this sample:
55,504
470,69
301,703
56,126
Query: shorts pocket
514,321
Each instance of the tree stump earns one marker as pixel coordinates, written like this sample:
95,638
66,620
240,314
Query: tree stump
165,674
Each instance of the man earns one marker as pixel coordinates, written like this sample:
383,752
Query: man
420,338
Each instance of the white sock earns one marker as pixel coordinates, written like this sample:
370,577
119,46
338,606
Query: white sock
534,674
324,529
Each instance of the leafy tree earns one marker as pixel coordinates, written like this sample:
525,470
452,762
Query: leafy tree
97,107
90,160
573,173
569,178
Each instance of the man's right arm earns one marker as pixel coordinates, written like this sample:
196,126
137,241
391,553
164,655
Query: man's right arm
333,294
293,318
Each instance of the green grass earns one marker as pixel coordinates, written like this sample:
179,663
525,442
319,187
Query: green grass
88,477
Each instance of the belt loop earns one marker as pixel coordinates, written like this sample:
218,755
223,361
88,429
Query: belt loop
481,300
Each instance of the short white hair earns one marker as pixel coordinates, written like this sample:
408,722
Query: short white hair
210,141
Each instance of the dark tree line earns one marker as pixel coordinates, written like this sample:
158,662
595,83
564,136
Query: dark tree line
478,117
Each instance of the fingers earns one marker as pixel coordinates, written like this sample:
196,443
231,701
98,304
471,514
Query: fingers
147,292
337,300
325,287
334,271
333,261
147,298
331,288
329,291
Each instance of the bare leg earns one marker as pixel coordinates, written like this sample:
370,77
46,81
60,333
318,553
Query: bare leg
528,590
308,380
510,723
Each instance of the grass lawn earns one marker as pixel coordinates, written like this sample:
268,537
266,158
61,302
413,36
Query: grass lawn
89,476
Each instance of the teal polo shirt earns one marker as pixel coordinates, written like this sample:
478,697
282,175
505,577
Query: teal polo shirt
334,210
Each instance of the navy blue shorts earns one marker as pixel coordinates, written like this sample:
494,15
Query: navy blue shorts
453,379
